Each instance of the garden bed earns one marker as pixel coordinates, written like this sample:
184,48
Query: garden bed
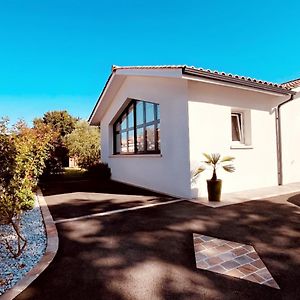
32,227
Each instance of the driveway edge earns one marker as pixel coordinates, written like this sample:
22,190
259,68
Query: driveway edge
51,250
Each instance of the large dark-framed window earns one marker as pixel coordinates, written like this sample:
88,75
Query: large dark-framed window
137,130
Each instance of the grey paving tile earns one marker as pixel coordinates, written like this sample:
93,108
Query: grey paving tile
243,259
229,265
227,256
200,256
206,238
264,273
258,263
202,265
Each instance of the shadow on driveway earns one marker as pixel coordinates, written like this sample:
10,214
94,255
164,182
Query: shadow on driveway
295,200
71,199
148,254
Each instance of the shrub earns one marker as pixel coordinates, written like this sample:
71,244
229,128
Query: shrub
26,150
100,170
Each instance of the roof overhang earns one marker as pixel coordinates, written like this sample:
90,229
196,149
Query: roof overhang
119,74
111,87
236,81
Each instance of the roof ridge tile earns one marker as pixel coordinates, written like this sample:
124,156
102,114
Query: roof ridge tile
284,86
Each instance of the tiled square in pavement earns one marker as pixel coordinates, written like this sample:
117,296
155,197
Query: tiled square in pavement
231,259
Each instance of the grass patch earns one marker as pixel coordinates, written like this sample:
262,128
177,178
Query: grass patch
100,171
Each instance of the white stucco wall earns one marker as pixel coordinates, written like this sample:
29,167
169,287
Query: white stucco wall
209,109
170,172
196,118
290,135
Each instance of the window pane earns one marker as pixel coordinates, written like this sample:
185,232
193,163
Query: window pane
124,123
130,131
130,117
236,128
158,112
124,142
117,143
130,141
150,134
149,112
158,136
140,139
139,113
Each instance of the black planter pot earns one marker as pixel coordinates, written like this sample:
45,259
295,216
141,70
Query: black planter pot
214,188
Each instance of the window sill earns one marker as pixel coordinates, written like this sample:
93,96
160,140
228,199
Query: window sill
241,146
135,156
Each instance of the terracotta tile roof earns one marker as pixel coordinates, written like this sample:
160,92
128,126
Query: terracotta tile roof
148,67
292,84
209,72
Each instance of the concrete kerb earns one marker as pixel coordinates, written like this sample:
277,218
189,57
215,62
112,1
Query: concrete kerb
51,250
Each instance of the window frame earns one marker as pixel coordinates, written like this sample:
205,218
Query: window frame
240,122
155,122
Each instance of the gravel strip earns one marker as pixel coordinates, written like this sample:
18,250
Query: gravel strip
14,269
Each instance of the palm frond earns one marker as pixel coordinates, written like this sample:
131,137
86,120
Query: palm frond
198,171
229,168
227,158
215,158
208,157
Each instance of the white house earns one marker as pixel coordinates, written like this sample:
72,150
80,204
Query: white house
156,121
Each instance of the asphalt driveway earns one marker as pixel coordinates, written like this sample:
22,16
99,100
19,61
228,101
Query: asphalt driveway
148,254
70,199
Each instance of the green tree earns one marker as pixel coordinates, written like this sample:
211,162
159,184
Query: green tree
60,121
62,124
84,144
25,151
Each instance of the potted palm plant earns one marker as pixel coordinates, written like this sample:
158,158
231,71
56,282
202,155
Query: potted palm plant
214,161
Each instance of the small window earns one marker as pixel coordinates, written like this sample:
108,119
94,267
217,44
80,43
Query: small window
237,127
137,130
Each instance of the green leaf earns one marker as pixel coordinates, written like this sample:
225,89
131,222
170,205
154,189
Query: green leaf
227,158
198,171
208,157
229,168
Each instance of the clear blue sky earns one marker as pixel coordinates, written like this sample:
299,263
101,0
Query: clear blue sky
58,54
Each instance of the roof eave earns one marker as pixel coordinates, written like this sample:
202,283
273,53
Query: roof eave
100,97
292,84
237,81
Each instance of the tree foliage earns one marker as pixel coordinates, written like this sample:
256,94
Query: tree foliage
23,152
60,121
62,124
84,144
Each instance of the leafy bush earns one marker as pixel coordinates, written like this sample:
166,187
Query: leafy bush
100,170
23,152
